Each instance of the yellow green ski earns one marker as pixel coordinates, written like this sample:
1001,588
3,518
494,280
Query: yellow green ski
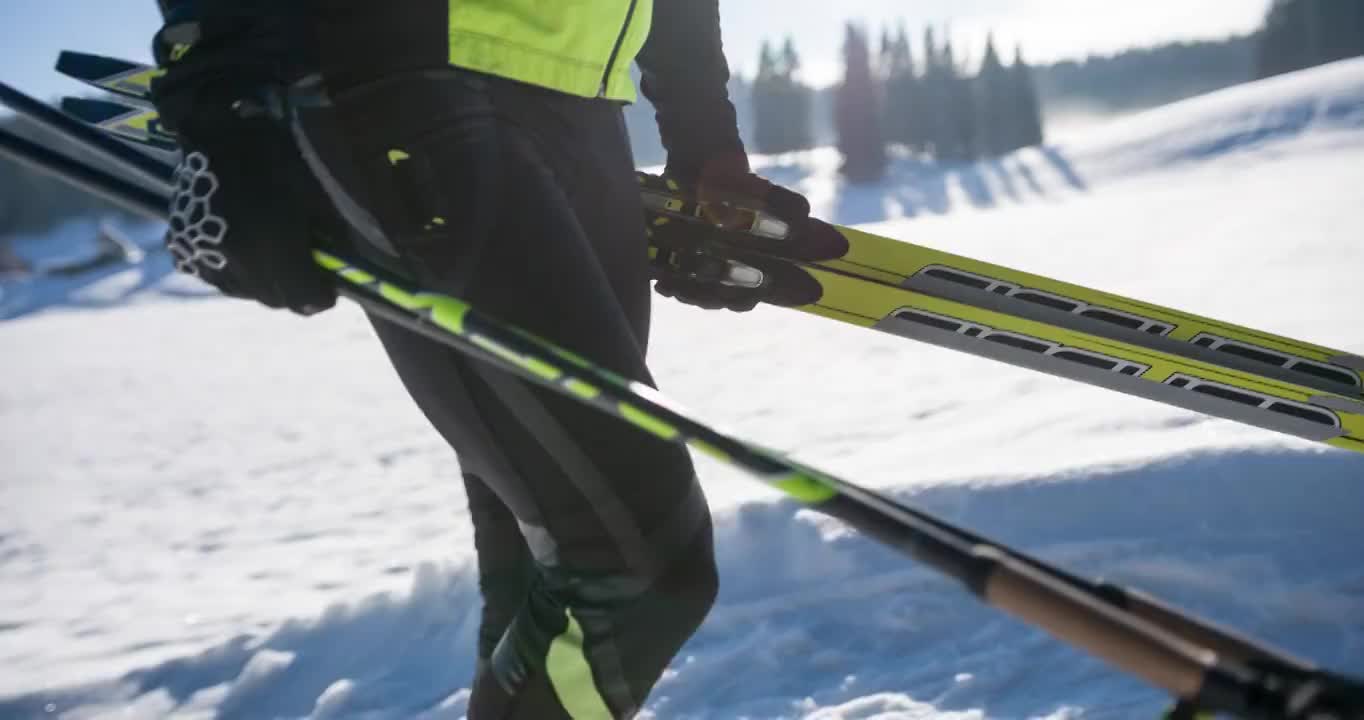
991,311
1095,312
1174,379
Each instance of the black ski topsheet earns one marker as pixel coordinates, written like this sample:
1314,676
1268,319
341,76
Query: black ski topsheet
134,123
130,80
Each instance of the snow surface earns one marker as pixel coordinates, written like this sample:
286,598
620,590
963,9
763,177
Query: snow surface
212,511
74,242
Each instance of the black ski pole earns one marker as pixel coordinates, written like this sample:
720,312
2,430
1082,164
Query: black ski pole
134,198
147,169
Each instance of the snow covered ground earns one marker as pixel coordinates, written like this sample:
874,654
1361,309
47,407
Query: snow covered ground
210,511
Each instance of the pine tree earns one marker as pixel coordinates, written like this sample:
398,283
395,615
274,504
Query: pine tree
961,111
1028,108
999,121
856,115
932,100
1342,29
767,119
884,74
899,89
1283,40
796,100
885,64
907,96
781,103
1299,34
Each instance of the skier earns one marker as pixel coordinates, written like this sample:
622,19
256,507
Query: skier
477,148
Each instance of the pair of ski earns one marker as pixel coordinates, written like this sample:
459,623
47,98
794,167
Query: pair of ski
1207,668
923,294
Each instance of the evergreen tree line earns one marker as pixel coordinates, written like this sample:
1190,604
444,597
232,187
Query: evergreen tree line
934,107
1141,78
781,102
913,94
1300,34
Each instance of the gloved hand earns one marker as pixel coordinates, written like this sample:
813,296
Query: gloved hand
246,209
737,209
685,76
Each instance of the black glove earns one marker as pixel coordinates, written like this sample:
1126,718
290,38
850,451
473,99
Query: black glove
246,209
738,211
685,76
703,280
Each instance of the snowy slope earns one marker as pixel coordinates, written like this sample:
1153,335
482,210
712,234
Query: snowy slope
217,512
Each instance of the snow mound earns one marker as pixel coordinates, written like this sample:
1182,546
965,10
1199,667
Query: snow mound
821,624
1324,105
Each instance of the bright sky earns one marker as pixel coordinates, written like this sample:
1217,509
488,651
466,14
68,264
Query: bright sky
32,31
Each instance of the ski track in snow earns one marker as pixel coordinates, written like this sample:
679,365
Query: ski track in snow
218,512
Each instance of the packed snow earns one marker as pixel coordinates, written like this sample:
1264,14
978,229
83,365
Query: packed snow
213,511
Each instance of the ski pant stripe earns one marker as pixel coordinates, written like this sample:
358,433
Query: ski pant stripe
570,674
578,467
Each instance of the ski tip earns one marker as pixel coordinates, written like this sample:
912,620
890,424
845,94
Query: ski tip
128,79
129,123
88,66
66,59
93,111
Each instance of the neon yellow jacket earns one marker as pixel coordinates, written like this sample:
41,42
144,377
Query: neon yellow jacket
580,47
577,47
585,47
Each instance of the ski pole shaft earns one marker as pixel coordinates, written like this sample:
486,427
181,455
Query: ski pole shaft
134,198
148,170
1228,644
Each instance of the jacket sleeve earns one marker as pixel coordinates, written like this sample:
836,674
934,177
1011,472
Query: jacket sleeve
686,77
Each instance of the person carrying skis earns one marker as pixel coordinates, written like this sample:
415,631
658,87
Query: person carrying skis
477,148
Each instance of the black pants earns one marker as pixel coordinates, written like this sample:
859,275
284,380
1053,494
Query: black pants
593,539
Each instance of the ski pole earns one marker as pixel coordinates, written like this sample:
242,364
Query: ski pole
147,169
134,198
